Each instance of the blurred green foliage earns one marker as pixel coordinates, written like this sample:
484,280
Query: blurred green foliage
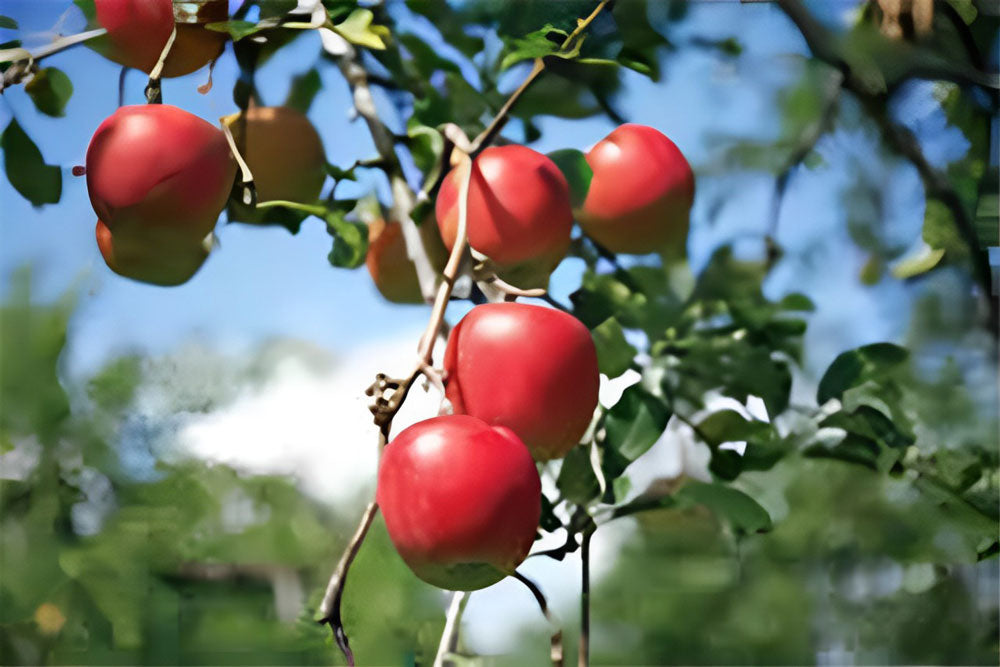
877,488
181,563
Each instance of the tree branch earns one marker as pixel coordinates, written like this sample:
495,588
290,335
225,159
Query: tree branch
825,46
460,152
23,60
418,237
329,608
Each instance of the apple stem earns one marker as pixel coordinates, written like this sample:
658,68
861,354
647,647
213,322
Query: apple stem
153,93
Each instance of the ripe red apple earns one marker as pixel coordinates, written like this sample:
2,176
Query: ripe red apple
529,368
641,194
139,29
158,177
461,501
519,212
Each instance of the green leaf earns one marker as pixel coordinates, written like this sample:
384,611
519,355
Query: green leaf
339,174
304,89
426,145
358,29
577,480
940,230
8,23
544,42
925,259
350,240
276,8
237,29
573,164
855,367
729,426
50,90
869,423
89,10
635,422
797,302
549,522
743,512
602,296
37,182
426,58
614,353
852,448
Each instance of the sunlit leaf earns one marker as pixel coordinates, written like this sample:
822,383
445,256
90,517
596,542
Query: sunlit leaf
358,28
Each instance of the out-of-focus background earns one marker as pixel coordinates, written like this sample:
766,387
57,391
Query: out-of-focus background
182,466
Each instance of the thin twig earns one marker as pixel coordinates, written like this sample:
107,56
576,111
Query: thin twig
556,652
22,60
329,608
493,129
806,143
418,238
583,659
453,621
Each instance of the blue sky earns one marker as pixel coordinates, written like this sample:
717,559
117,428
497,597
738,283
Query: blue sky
264,282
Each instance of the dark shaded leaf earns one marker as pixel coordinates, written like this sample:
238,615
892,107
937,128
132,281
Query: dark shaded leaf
577,480
36,181
573,164
856,367
8,23
236,29
743,512
50,90
350,240
304,89
635,422
614,353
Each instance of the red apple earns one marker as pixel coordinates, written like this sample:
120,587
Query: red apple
641,193
461,501
158,177
519,212
529,368
139,29
148,262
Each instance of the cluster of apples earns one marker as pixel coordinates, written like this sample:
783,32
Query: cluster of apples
158,176
461,494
